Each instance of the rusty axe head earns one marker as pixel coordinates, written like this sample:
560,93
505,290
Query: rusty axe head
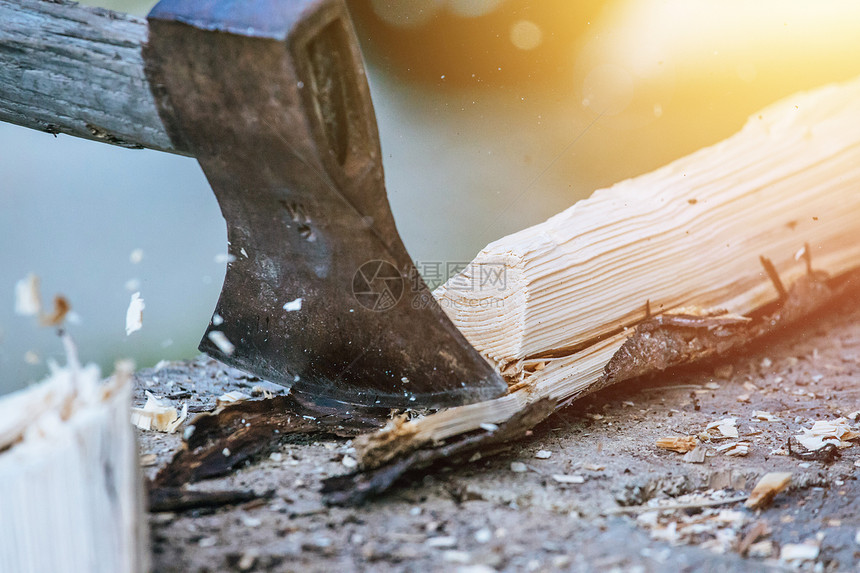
320,293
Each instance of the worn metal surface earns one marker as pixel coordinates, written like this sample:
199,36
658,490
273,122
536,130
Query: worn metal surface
321,294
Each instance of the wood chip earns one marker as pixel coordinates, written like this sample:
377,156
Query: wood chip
134,314
837,432
696,455
761,549
222,342
442,542
726,427
158,416
28,301
766,489
736,449
230,397
562,478
764,416
680,444
806,551
758,530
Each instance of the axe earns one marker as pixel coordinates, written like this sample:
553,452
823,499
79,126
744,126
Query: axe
320,294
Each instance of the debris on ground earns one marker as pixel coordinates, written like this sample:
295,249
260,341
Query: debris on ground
726,427
574,479
766,489
797,553
519,467
735,448
680,444
230,397
696,455
158,416
764,416
714,528
598,481
838,433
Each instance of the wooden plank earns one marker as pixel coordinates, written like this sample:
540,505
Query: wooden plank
78,71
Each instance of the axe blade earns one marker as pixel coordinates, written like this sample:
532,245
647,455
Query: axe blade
320,293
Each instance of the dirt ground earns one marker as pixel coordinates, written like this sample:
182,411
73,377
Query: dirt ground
515,511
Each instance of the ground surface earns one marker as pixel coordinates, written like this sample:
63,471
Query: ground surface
486,517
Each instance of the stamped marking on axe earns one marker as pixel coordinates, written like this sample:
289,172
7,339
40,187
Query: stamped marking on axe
271,98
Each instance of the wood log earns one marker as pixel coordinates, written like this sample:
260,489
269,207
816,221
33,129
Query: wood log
562,308
79,71
70,483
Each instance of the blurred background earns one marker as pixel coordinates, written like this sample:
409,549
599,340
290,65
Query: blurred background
493,115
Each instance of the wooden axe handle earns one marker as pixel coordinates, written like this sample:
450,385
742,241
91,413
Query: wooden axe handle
79,71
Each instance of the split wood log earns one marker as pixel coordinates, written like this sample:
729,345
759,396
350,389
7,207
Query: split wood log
564,308
70,486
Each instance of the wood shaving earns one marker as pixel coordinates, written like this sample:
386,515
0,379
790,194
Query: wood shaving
680,444
230,397
563,478
519,467
761,549
696,455
28,301
726,427
799,552
134,314
838,433
58,315
736,449
222,342
766,489
156,416
715,529
764,416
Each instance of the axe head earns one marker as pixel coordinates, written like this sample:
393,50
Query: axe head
320,294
